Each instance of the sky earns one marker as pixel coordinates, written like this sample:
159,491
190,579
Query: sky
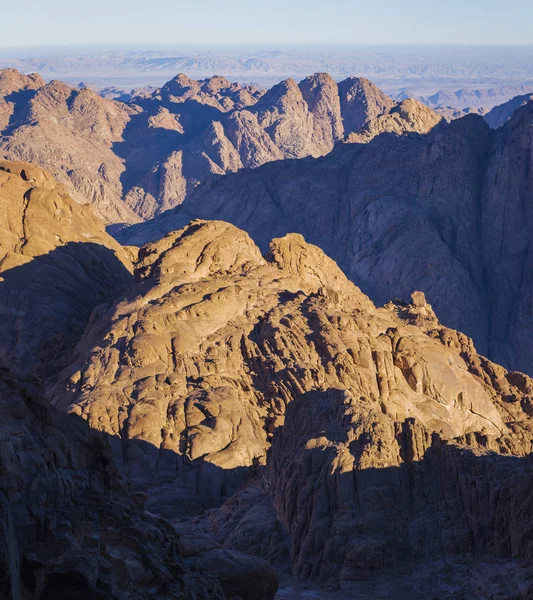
175,22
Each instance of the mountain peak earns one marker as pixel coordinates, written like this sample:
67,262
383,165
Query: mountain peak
12,80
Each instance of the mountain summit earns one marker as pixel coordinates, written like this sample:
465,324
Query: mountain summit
138,158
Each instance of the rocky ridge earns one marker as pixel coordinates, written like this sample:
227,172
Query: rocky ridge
200,387
499,115
138,158
444,212
286,426
57,264
410,116
218,354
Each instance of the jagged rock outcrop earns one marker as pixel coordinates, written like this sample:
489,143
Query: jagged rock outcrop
73,133
368,500
361,101
409,116
445,212
57,264
138,158
68,526
379,419
215,91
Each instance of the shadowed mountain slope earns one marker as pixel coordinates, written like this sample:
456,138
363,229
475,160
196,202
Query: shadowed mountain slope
218,354
135,159
57,264
445,212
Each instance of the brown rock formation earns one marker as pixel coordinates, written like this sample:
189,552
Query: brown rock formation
361,101
379,418
68,527
56,265
409,116
72,134
445,212
381,453
136,159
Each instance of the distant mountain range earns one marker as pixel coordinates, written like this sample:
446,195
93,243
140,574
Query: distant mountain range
474,98
422,70
138,158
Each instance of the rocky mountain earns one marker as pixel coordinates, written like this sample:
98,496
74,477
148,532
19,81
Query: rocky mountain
218,354
227,419
475,98
408,116
57,264
445,213
500,114
69,527
136,159
71,133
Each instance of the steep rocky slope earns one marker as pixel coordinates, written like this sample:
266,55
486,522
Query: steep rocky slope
57,264
68,527
500,114
72,133
138,158
446,213
395,447
287,426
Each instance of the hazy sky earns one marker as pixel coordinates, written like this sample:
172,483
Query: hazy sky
146,22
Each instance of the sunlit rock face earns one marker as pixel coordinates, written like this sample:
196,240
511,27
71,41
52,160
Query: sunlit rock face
135,159
286,427
57,264
445,212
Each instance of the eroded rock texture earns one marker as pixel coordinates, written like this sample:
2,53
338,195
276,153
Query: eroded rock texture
446,213
410,116
68,527
366,499
57,264
136,159
286,427
392,442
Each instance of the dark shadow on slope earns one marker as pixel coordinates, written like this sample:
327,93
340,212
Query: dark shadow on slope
145,148
373,209
21,100
69,527
432,527
423,528
46,303
194,116
447,522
